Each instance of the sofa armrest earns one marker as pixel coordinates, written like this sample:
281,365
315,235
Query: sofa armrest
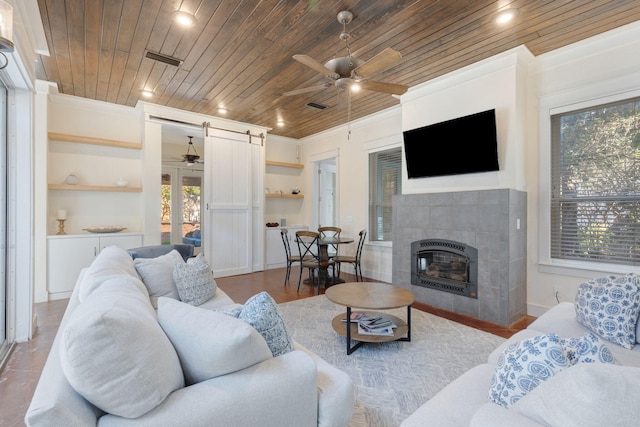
279,391
492,415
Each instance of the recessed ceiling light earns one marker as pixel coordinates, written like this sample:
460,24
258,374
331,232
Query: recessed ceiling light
280,123
222,110
183,18
146,93
506,15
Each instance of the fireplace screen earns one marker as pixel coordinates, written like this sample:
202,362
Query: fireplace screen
446,266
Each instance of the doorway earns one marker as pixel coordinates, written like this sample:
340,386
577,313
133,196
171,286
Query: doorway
326,184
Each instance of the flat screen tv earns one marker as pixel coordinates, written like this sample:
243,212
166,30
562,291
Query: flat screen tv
460,146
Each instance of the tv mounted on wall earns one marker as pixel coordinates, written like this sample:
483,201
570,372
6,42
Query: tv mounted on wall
460,146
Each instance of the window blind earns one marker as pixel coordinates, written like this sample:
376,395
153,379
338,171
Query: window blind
595,200
385,181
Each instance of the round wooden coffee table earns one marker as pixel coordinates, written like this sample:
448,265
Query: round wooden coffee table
370,296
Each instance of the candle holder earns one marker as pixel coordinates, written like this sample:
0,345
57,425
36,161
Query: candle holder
61,226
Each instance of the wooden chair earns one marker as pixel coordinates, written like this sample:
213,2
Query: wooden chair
308,247
330,232
291,259
355,260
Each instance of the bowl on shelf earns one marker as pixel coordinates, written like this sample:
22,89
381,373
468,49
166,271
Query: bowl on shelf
272,224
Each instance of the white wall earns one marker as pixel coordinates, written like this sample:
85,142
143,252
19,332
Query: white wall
602,69
496,83
94,165
352,144
282,149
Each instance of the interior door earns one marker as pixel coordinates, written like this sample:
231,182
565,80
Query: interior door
233,213
326,174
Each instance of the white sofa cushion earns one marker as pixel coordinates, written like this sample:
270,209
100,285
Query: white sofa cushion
194,280
588,394
114,353
609,306
157,275
261,312
111,262
209,343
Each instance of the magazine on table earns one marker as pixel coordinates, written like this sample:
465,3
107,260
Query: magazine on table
372,324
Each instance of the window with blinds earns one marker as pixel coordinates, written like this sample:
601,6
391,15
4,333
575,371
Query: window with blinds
385,180
595,200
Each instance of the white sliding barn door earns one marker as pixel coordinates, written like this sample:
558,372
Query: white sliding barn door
230,177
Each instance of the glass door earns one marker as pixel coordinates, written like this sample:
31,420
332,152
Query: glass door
182,207
3,221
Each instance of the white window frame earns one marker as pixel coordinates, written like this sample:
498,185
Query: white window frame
577,99
377,149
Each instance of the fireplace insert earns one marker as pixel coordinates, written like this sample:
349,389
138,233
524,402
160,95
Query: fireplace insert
446,266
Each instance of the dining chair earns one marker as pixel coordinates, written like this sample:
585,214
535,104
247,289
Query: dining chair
308,247
355,260
291,259
330,232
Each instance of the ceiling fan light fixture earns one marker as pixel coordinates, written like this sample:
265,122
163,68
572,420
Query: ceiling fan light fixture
506,16
185,19
355,87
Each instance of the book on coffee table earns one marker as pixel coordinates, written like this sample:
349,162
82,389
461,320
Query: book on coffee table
372,324
384,331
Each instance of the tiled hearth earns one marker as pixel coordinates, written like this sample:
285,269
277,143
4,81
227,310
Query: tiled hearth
494,222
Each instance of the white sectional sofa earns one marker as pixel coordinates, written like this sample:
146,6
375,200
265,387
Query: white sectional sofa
584,394
116,361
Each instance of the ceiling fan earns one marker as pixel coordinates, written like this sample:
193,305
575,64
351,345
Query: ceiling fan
347,71
191,156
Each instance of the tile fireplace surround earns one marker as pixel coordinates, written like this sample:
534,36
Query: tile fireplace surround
494,222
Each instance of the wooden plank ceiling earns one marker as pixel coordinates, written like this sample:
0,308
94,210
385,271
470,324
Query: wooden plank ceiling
239,53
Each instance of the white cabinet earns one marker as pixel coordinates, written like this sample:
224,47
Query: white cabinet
67,255
275,256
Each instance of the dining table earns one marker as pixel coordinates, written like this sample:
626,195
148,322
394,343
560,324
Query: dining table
323,254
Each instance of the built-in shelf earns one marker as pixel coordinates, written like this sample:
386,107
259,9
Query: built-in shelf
53,136
285,196
95,188
284,164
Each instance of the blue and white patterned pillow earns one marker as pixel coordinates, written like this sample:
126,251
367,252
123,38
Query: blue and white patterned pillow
523,365
609,306
587,349
261,312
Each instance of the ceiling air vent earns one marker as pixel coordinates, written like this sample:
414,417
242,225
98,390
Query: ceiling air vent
170,60
316,105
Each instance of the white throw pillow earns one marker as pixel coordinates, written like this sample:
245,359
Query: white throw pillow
587,394
609,306
111,262
208,343
115,354
157,275
194,280
261,312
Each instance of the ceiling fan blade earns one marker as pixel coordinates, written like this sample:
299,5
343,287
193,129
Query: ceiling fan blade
390,88
385,59
305,90
315,65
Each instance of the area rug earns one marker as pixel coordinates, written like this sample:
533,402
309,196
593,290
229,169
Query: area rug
392,379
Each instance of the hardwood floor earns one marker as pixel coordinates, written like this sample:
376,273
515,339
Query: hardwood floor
21,372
